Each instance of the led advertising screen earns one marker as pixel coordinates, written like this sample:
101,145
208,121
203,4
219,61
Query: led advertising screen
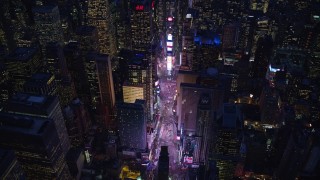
170,44
169,63
169,37
169,49
188,160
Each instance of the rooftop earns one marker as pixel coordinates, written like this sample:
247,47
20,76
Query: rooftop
85,30
6,158
40,79
22,54
23,124
25,103
93,56
45,9
131,106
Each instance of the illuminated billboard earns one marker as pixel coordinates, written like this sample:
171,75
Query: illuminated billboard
169,63
170,44
271,69
169,37
188,160
169,48
139,7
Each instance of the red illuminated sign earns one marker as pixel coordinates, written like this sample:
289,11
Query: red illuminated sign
152,5
170,19
139,7
188,160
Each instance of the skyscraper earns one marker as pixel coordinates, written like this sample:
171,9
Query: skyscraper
226,145
100,16
140,74
204,127
88,39
78,122
56,62
41,106
10,168
100,81
105,79
132,124
20,65
48,25
163,167
230,36
13,28
75,63
4,85
36,144
141,25
187,107
42,84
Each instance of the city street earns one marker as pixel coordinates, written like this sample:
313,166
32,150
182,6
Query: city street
166,129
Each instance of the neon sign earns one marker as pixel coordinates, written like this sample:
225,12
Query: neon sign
170,19
139,7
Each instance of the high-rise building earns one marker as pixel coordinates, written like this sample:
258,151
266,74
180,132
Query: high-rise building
132,92
36,144
106,89
10,168
87,37
75,63
78,122
270,107
205,51
163,167
55,61
92,78
48,25
4,85
56,64
226,144
262,56
204,127
132,124
41,106
140,74
262,28
259,5
314,64
75,160
187,107
123,34
122,22
21,64
230,36
186,56
42,84
14,27
99,75
141,25
105,79
301,156
100,16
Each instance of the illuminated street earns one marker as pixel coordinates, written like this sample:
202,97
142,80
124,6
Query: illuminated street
166,129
